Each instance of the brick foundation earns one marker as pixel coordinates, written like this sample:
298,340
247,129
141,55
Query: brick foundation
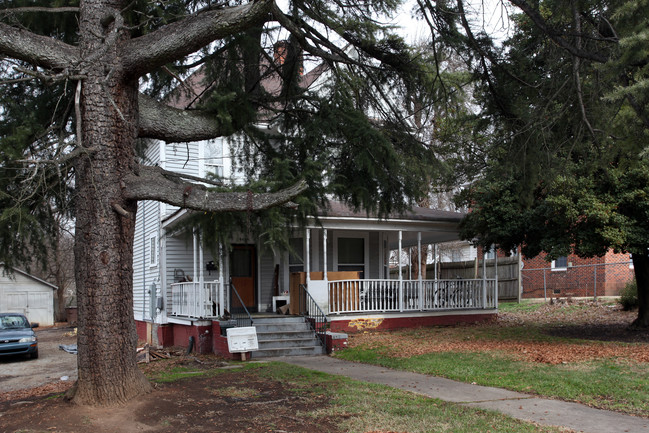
385,322
335,341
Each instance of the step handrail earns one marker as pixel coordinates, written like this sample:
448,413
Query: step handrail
242,318
313,314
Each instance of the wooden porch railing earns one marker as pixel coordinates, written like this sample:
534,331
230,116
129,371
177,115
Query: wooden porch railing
190,299
359,296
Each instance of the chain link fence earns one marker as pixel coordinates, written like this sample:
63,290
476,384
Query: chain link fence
590,280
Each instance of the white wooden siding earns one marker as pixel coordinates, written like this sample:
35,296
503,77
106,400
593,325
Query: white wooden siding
180,256
147,224
28,296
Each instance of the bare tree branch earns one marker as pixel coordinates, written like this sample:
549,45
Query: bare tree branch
169,124
178,39
153,183
35,49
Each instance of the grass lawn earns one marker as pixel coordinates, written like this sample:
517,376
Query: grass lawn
350,405
522,352
363,407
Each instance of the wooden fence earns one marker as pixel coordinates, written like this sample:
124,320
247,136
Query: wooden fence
508,273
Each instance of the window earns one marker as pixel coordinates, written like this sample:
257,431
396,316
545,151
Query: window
153,251
214,157
560,264
295,256
351,255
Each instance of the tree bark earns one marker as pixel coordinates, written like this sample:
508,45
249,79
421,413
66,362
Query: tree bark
107,338
641,270
154,183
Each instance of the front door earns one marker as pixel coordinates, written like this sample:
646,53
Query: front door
242,271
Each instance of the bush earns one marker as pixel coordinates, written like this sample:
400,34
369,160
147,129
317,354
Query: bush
629,296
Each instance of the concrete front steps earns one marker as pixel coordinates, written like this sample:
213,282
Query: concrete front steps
285,336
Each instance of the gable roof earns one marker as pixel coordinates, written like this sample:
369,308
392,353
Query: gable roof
25,274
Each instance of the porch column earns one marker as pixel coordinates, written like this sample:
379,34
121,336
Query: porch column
421,281
484,278
307,258
496,277
400,276
201,281
435,282
324,251
194,238
221,282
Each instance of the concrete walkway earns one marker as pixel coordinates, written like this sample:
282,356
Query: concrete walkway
517,405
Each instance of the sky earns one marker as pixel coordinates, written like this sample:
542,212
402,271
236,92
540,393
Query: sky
488,15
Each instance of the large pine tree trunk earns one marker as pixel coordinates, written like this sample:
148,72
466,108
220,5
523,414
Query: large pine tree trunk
641,269
108,372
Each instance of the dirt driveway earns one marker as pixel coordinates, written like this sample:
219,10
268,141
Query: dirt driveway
18,373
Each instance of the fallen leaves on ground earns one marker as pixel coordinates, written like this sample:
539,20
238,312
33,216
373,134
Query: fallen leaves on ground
39,391
584,321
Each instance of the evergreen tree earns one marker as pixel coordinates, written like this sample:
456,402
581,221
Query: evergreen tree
565,102
83,83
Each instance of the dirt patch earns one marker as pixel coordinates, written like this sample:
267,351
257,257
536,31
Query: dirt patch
605,325
234,401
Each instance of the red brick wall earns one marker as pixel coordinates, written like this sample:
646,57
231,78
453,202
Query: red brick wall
202,337
581,279
360,325
335,342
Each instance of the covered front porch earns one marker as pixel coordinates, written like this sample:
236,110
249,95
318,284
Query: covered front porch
341,266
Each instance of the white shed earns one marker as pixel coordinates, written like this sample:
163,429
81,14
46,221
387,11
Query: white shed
23,293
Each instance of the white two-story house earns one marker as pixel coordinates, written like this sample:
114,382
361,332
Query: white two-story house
336,278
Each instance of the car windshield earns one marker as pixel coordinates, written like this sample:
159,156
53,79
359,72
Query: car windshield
13,322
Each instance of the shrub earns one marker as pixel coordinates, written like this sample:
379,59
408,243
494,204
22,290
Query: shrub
629,296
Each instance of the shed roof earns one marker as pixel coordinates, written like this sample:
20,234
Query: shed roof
28,275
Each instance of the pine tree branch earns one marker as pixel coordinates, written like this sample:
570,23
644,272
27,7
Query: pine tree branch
33,9
154,183
36,49
553,34
183,37
169,124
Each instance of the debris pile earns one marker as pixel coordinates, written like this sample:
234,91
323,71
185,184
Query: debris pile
147,354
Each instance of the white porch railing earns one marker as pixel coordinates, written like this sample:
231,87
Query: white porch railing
189,299
359,296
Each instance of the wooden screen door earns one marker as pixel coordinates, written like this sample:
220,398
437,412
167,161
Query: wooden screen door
242,271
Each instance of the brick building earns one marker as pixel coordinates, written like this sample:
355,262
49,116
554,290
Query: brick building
574,276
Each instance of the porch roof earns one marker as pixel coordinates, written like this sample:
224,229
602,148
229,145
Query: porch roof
436,226
338,209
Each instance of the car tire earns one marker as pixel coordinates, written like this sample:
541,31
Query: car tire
34,355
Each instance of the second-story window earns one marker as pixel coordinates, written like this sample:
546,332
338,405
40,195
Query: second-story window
214,157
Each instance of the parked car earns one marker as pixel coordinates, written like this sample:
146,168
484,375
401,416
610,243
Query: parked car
17,336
